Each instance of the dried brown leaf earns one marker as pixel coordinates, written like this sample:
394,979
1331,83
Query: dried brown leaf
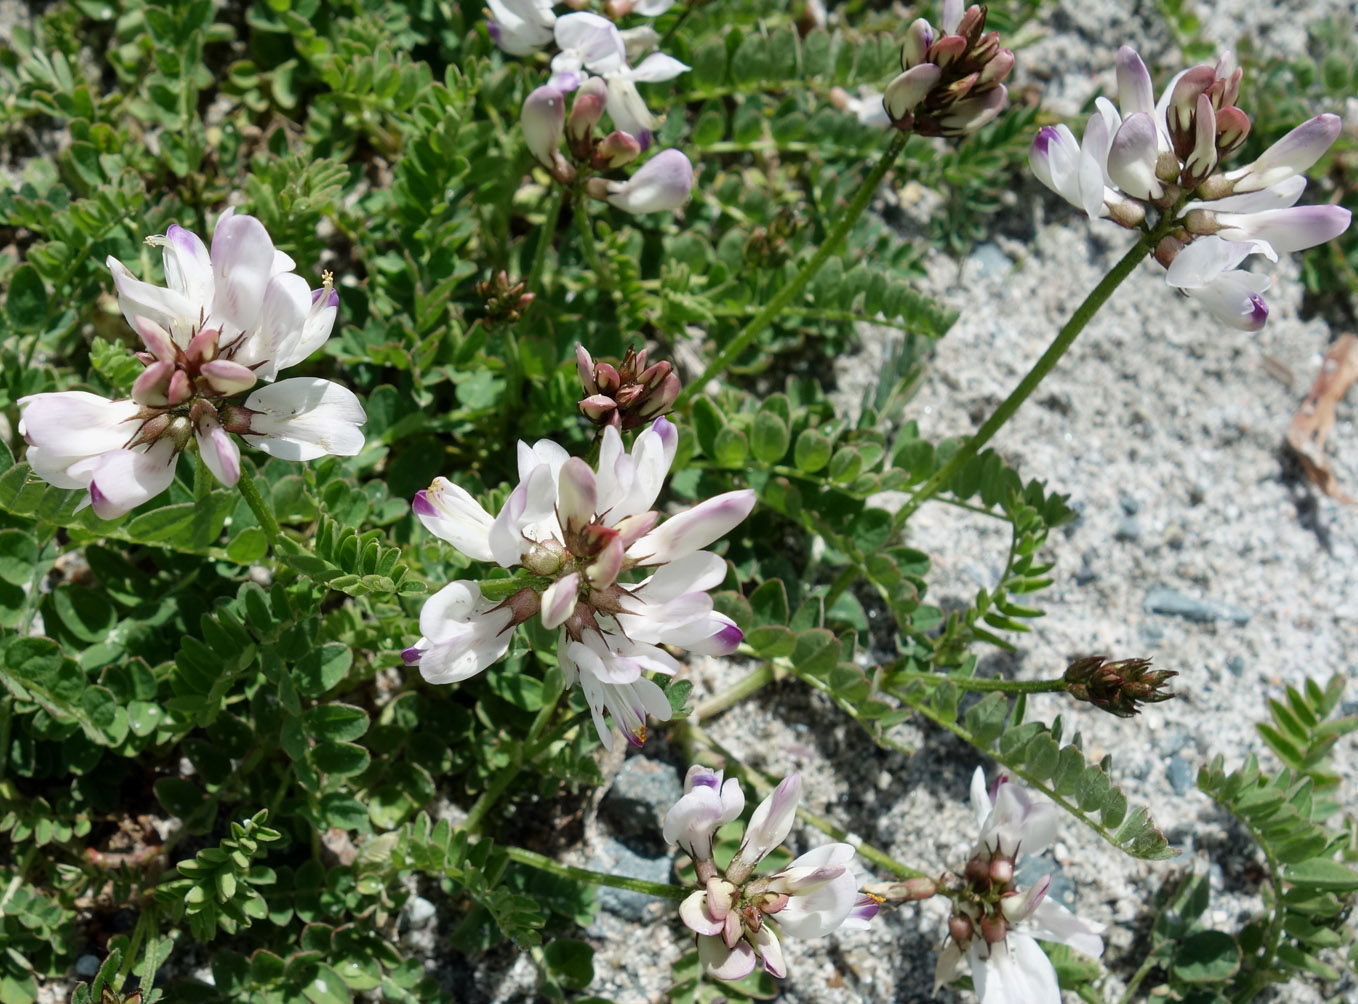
1315,418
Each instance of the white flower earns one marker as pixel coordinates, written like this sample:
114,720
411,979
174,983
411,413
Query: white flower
662,183
582,529
1007,965
739,920
1144,155
626,107
520,26
707,804
223,322
589,44
1208,270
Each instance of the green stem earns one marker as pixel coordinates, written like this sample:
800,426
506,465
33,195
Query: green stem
808,271
1065,338
588,246
545,235
985,684
258,506
734,694
663,890
145,920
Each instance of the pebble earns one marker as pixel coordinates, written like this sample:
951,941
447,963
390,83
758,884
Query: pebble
987,259
1181,774
616,858
635,806
1236,665
1170,741
1128,529
87,965
1129,505
1204,611
419,911
1032,868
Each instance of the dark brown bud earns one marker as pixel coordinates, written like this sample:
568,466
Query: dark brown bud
504,299
960,928
993,928
1119,688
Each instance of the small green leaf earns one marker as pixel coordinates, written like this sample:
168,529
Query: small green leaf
336,722
1321,873
571,961
1206,957
248,546
731,447
322,668
812,452
340,759
18,556
770,436
26,302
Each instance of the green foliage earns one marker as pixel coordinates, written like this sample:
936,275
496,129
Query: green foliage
174,679
1311,886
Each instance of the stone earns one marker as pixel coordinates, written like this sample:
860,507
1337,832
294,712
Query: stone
1128,529
616,858
1181,774
634,809
1203,611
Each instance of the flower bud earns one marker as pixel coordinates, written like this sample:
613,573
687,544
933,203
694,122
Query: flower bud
618,148
918,38
993,928
226,377
543,119
946,49
908,89
663,183
202,347
1233,126
152,386
1002,871
960,928
586,110
180,389
156,339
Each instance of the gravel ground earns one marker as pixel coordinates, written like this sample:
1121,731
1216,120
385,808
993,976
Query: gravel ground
1164,428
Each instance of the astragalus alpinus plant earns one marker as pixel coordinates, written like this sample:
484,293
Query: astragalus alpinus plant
556,287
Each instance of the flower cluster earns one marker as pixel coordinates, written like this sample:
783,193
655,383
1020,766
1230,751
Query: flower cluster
664,182
594,60
627,395
951,81
1007,965
574,531
224,321
740,918
1163,156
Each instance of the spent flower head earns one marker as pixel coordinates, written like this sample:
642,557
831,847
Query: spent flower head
225,321
1141,159
739,918
992,913
574,531
1120,688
